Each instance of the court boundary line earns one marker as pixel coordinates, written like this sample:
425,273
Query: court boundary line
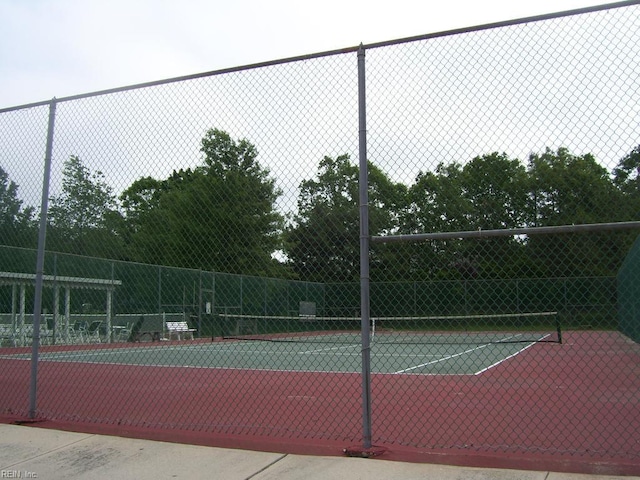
443,359
71,356
200,367
449,357
507,358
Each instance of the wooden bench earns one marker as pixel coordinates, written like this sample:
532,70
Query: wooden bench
179,330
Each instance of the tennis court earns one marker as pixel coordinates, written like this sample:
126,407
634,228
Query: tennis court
432,358
325,344
297,381
304,396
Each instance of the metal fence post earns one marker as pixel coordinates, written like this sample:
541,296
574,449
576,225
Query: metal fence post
37,301
364,253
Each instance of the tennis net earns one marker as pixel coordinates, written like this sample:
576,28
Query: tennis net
459,329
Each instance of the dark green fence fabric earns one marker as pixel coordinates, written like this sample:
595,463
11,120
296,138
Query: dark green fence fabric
629,294
153,289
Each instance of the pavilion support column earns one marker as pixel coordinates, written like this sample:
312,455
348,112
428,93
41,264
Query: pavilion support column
109,300
14,314
67,313
22,340
56,316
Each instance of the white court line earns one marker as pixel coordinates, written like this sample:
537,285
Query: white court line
443,359
329,349
510,356
103,352
449,357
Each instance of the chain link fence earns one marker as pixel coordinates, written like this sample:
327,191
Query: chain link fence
202,269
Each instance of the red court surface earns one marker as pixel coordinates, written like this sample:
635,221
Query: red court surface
573,407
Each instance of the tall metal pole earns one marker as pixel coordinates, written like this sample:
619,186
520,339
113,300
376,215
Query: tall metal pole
364,252
37,301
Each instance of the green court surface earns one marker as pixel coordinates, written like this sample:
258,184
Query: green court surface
386,358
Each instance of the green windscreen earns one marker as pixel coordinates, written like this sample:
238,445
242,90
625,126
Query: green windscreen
629,294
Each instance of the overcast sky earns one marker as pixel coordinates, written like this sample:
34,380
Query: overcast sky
65,47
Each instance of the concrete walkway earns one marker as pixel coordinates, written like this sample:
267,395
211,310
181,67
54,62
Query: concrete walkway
31,452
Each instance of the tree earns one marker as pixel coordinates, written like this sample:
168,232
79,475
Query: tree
84,218
143,219
17,224
437,203
627,172
496,189
489,192
322,243
141,198
626,176
569,189
219,216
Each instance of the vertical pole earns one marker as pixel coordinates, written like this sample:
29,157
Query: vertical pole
56,316
67,313
56,301
110,307
21,318
363,184
37,301
109,315
159,289
213,293
14,315
264,300
200,303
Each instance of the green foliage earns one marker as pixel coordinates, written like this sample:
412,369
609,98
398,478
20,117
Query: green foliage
220,216
323,241
84,218
17,223
489,192
569,189
496,190
626,176
84,201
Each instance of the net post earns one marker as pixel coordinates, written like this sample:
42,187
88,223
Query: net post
558,328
